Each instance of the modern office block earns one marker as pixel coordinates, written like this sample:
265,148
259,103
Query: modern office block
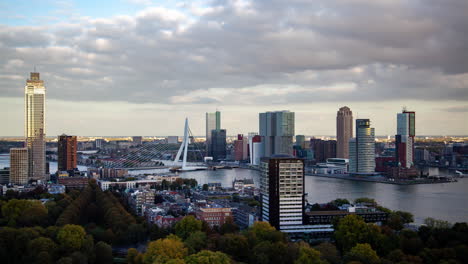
362,148
213,122
277,132
282,191
218,144
19,166
404,139
67,153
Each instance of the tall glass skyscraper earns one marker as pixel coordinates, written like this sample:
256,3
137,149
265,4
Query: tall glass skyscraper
404,139
362,148
35,126
213,122
277,132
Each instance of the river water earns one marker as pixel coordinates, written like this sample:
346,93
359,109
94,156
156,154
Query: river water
445,201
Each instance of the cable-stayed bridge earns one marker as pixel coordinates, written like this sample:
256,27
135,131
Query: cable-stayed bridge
155,155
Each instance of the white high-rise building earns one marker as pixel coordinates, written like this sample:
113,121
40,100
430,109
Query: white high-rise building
19,166
282,191
362,148
35,93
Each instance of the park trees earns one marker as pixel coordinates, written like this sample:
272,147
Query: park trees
363,253
165,249
71,237
186,226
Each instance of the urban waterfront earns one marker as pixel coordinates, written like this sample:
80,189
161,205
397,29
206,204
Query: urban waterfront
445,201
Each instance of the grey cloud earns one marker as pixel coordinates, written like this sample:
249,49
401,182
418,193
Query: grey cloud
456,109
390,50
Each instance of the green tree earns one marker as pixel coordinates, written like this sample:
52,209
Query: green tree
398,219
42,244
24,212
434,223
235,245
43,258
187,225
196,241
71,237
79,258
329,253
208,257
365,200
362,253
352,229
163,250
103,253
65,260
229,226
134,257
308,255
340,202
263,231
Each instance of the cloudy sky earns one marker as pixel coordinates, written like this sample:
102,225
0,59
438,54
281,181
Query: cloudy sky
138,67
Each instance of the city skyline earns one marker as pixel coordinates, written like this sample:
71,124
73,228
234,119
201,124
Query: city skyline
310,66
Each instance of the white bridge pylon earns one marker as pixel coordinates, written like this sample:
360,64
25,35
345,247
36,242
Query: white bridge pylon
184,147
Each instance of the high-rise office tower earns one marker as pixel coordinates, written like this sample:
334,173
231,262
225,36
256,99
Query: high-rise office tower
67,157
282,191
19,166
323,149
218,144
35,126
277,132
213,122
404,139
255,148
344,131
362,148
240,148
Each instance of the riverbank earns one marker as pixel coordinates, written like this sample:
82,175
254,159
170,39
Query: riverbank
381,179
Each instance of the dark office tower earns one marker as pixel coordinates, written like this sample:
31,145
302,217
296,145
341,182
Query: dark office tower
213,122
282,191
67,157
344,131
323,149
218,144
277,132
404,139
